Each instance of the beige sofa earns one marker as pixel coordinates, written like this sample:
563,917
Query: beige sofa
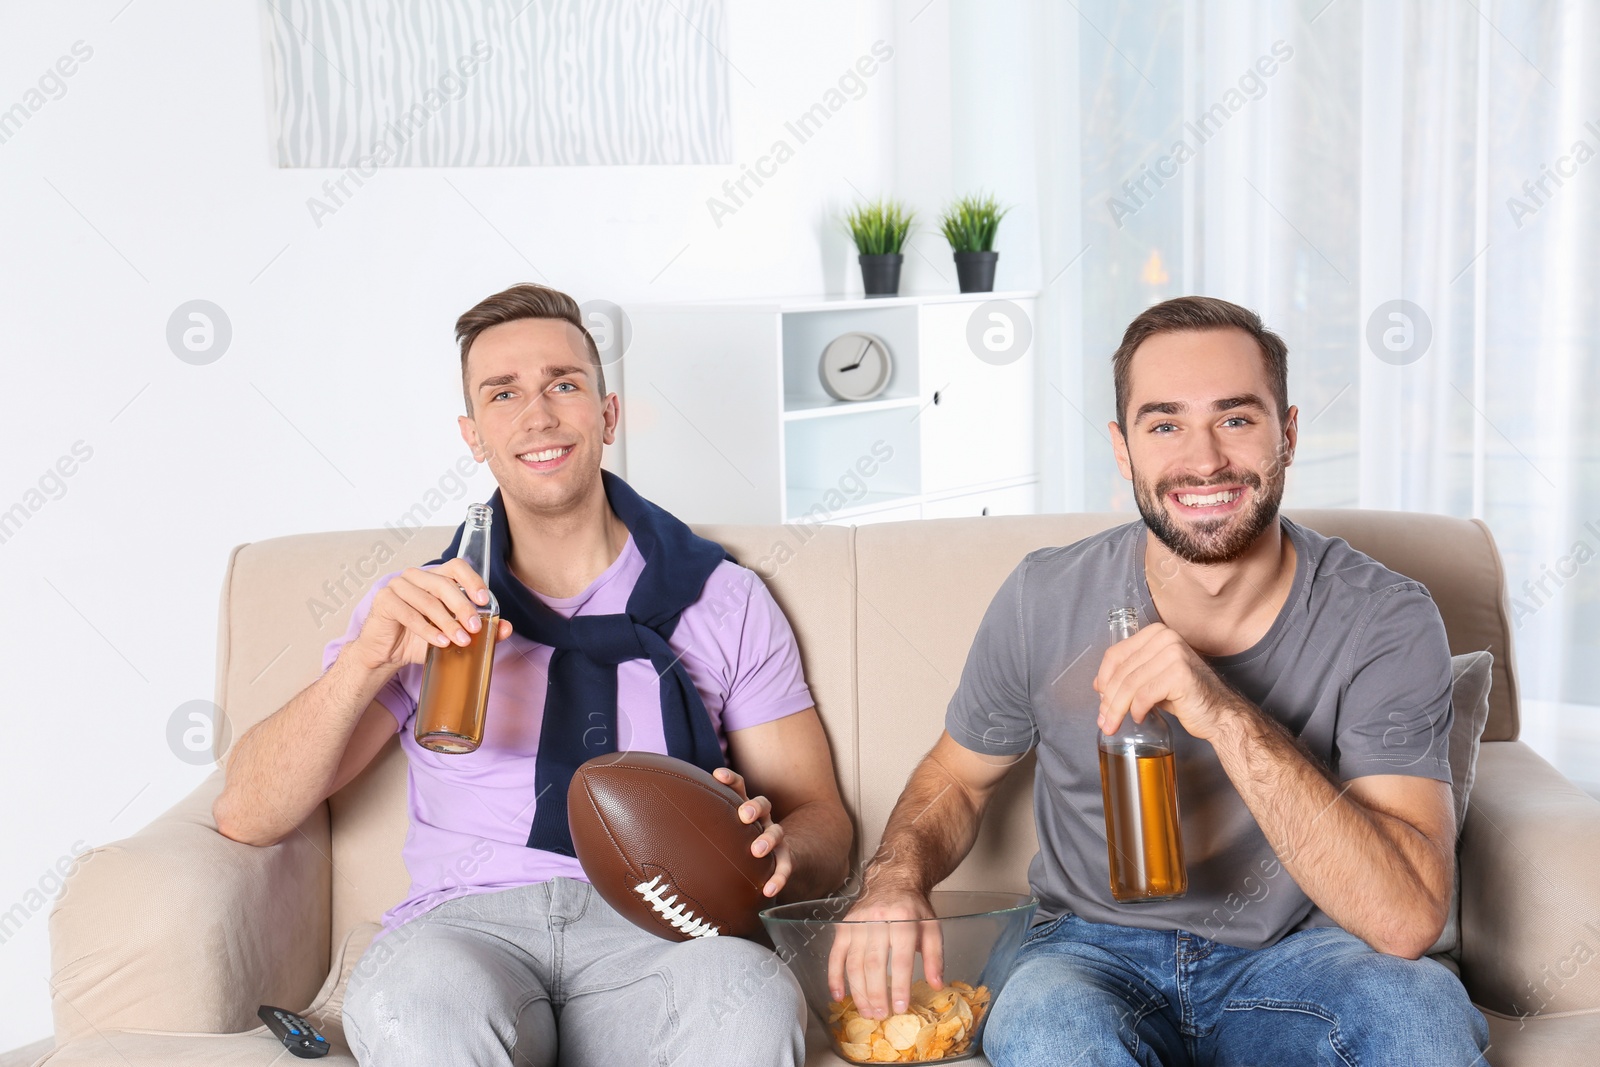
164,943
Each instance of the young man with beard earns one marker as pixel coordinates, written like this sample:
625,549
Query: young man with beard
1308,691
501,952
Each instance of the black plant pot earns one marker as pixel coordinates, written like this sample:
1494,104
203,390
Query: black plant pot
880,275
975,271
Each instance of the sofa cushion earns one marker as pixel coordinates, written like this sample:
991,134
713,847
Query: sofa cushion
122,1048
1471,676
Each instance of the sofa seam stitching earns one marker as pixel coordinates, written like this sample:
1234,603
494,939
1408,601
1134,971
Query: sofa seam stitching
853,559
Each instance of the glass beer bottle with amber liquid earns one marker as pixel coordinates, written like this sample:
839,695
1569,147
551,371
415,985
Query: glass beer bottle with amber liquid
455,679
1138,780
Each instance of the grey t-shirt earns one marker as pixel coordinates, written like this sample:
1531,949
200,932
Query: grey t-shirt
1356,665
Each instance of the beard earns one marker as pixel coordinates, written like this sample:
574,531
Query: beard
1209,541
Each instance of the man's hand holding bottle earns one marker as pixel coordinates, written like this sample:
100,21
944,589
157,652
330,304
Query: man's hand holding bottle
422,608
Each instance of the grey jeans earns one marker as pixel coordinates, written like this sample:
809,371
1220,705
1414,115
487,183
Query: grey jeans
550,973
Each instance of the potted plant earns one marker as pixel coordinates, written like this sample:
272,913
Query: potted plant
969,225
879,230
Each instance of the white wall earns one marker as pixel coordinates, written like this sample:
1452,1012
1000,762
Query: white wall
147,184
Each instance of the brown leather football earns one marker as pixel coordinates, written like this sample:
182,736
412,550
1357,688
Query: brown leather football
661,841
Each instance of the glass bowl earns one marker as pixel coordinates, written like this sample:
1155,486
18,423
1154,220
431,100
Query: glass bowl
981,933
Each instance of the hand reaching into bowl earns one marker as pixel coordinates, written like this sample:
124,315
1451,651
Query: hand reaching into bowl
875,947
856,961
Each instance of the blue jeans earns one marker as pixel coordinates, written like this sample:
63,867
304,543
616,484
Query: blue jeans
1086,993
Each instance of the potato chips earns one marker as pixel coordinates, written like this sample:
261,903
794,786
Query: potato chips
939,1024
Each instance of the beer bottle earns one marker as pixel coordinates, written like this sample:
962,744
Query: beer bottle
455,679
1138,781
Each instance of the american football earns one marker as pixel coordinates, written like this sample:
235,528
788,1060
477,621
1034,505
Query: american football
661,841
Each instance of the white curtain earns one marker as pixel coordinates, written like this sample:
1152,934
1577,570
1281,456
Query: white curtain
1409,192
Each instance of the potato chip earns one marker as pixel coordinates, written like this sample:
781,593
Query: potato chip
902,1030
924,1040
858,1030
855,1051
883,1052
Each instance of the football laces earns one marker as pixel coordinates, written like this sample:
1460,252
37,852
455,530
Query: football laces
679,915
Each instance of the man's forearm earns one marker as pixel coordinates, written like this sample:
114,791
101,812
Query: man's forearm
1375,875
285,765
930,831
818,836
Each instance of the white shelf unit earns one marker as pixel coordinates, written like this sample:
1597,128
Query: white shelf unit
726,420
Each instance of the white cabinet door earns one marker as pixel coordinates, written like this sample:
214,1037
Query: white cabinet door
1011,500
976,422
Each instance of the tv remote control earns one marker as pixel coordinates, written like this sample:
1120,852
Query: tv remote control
297,1035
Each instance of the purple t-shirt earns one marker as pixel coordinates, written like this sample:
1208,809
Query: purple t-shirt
470,813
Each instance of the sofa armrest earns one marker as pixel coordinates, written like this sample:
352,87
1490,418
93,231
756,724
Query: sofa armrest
1530,901
180,928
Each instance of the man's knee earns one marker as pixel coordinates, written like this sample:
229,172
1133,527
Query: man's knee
1050,1009
1382,1001
415,980
728,978
732,987
1370,1002
1341,968
400,974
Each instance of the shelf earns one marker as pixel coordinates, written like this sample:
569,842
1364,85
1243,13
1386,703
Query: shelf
806,334
794,453
981,487
800,500
872,502
810,408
